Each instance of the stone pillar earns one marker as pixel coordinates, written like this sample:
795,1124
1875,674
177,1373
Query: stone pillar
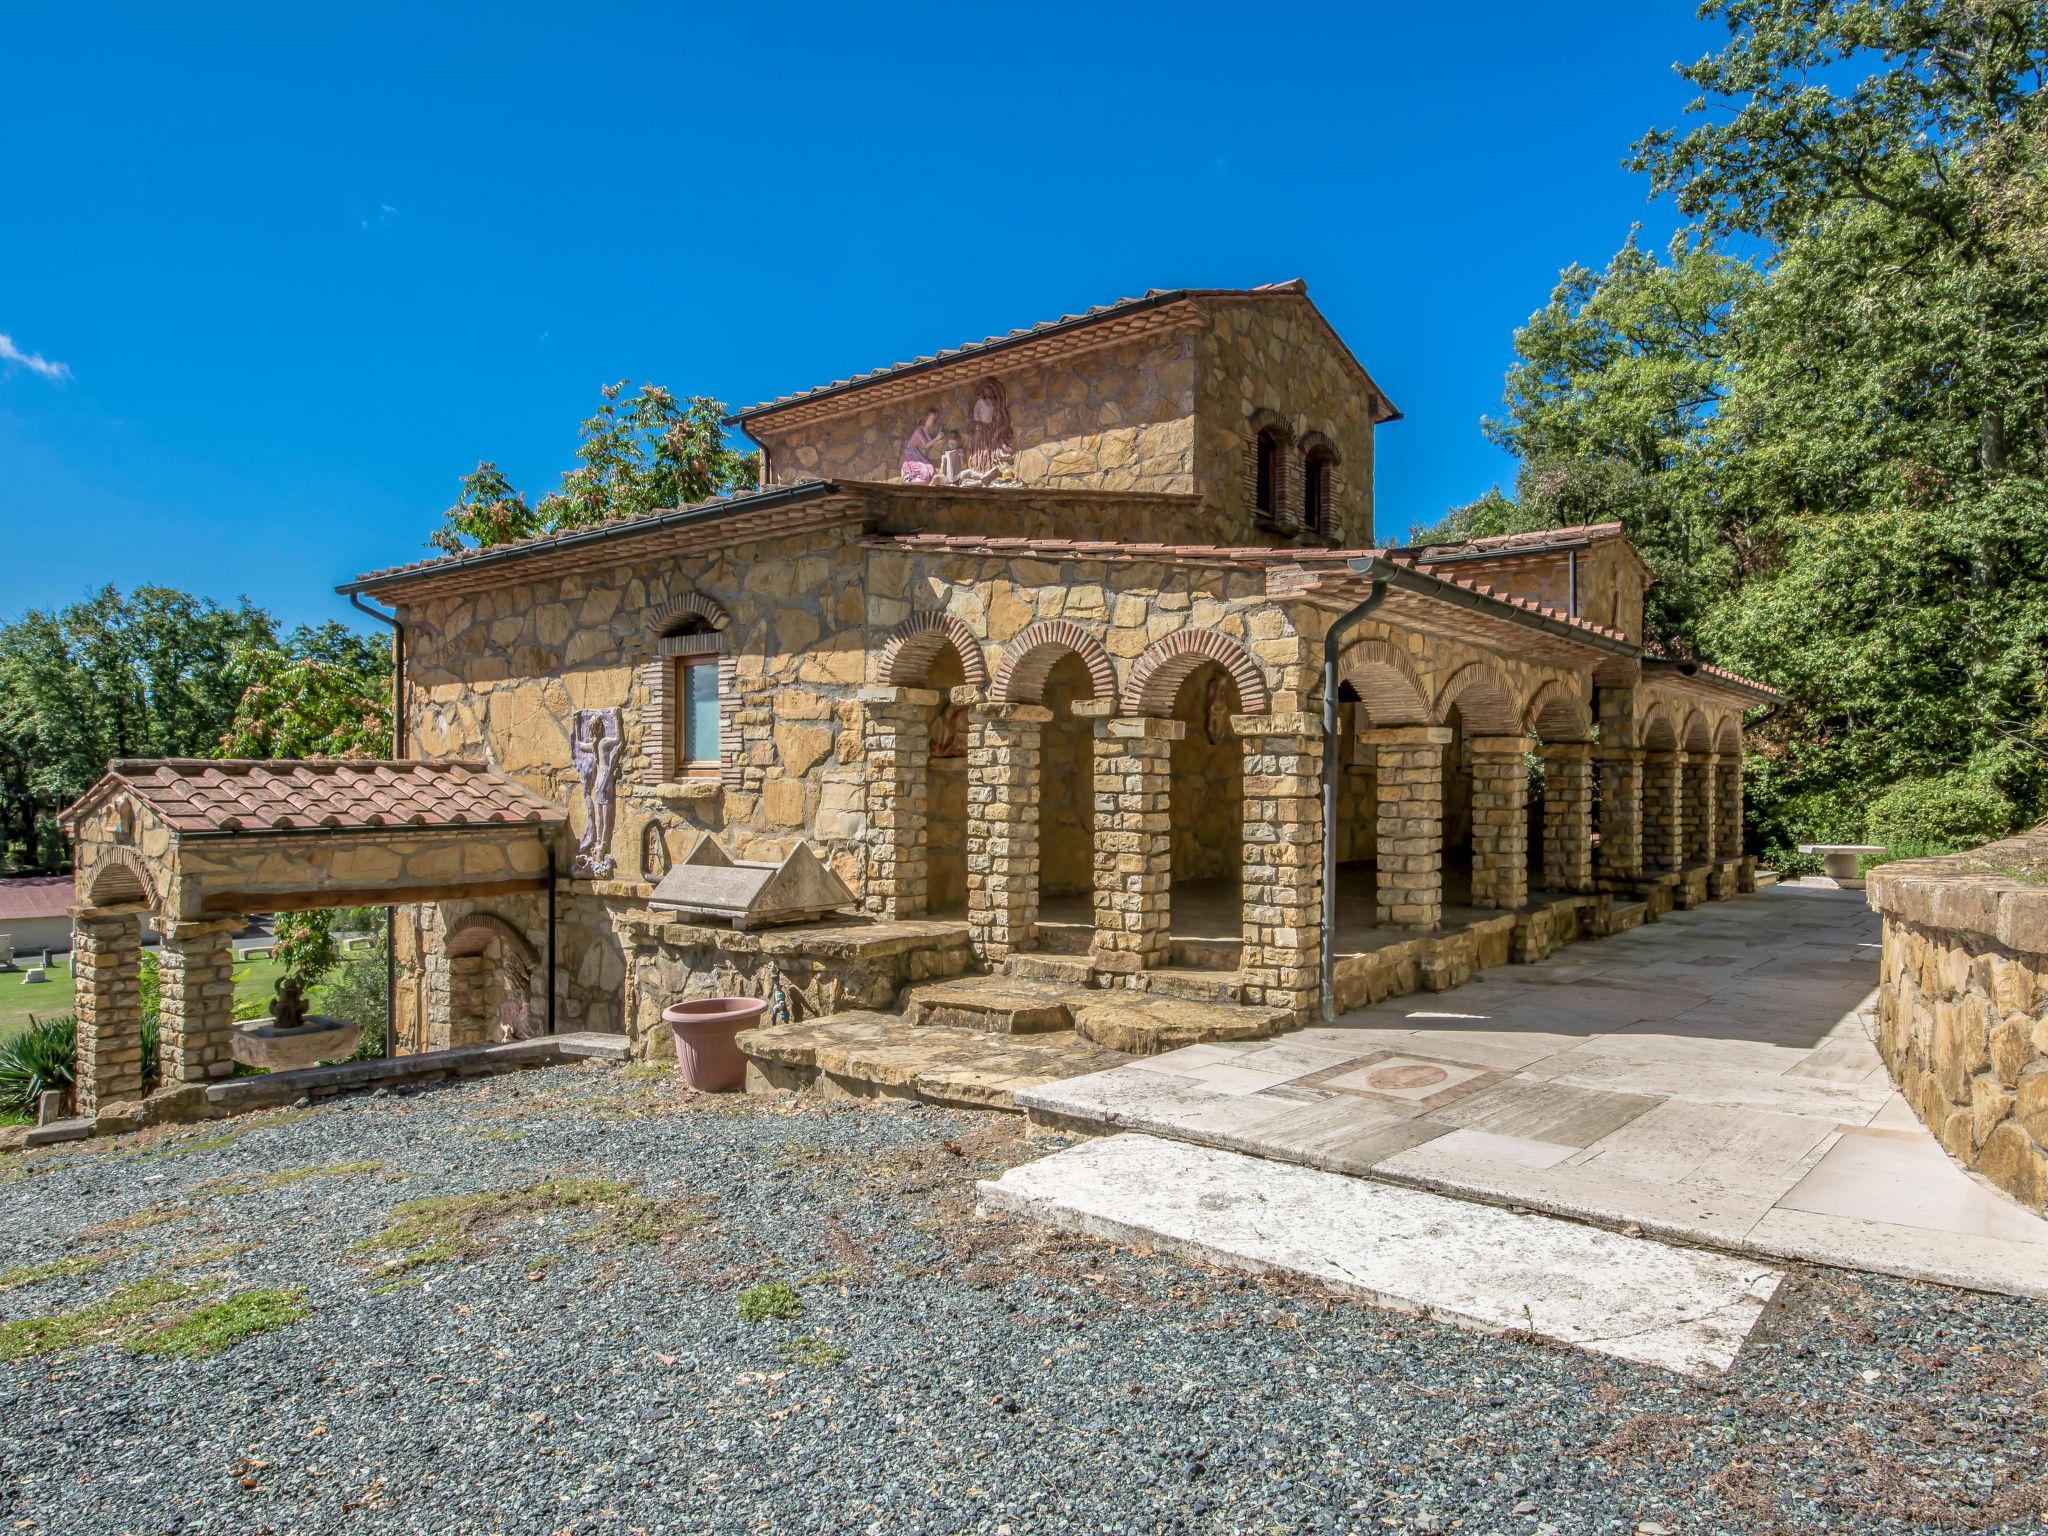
1621,817
896,741
1728,807
1500,822
1409,767
1003,766
1133,841
1283,860
1567,816
196,1001
106,964
1701,828
1663,812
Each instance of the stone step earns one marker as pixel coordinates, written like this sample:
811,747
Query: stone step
1474,1266
1191,985
1065,938
1069,970
1003,1005
880,1055
1145,1024
1624,915
1207,954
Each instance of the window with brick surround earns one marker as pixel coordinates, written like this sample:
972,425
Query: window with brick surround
688,718
697,696
1266,472
1317,469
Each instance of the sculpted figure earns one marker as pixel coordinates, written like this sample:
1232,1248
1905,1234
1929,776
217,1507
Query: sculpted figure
594,749
288,1008
988,431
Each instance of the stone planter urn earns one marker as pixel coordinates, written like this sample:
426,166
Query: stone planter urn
707,1052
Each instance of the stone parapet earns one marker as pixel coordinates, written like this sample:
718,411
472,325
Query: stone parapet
1963,1004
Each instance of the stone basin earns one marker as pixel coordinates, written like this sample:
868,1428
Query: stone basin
261,1043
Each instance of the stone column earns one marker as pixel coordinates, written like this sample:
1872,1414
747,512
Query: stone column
196,1007
1728,807
1409,767
1663,812
1567,816
1003,766
1500,822
1621,817
1283,860
1133,841
106,964
896,740
1701,828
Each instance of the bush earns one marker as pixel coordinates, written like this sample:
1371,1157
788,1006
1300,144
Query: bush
1943,815
36,1060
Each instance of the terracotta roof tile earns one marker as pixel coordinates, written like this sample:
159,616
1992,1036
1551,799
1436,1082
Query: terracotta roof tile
35,896
201,796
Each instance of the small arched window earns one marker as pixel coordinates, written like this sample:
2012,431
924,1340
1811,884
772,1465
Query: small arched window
1266,472
1317,471
690,692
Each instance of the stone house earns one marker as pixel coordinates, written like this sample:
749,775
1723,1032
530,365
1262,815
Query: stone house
1070,653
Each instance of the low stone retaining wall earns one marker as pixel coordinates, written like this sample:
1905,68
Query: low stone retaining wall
1963,1003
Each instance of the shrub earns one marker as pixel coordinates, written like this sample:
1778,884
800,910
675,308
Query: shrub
1942,815
356,992
36,1060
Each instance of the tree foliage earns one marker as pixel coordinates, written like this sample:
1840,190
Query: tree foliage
1833,452
326,692
652,451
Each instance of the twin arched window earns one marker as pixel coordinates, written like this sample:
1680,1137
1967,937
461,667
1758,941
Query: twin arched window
1310,489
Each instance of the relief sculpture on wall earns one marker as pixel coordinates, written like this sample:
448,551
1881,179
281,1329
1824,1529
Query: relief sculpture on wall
595,752
988,457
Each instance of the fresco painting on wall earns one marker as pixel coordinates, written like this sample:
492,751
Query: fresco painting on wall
989,457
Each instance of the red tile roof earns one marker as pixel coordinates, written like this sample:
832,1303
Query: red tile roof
35,896
197,796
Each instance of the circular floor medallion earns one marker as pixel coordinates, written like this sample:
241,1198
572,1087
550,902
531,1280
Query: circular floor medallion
1405,1074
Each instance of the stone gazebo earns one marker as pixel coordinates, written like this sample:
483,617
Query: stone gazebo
199,845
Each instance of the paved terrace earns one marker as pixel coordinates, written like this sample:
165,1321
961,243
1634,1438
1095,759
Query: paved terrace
1709,1078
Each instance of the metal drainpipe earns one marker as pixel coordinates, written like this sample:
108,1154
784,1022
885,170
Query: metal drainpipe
549,840
397,751
1332,643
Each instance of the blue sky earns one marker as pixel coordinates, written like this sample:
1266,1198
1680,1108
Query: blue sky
289,272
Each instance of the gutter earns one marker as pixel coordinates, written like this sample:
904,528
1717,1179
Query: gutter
675,517
1333,644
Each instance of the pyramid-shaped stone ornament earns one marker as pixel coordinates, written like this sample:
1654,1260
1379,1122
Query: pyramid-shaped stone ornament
707,882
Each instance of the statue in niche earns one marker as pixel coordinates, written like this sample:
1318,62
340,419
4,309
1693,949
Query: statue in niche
949,731
917,465
1216,709
988,432
594,749
654,861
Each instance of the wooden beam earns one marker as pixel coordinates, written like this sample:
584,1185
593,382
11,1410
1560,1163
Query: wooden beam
223,903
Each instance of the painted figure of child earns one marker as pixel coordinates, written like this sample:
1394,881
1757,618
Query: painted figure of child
917,465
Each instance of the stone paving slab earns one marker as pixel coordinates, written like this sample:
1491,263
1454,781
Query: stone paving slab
1476,1266
1740,1105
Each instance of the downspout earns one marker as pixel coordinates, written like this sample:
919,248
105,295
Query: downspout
549,840
1333,642
1572,562
397,751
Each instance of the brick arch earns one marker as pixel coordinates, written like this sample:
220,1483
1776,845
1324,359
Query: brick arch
1483,698
472,935
1386,684
1699,732
1158,674
690,605
121,878
1556,713
1655,730
913,646
1728,739
1036,649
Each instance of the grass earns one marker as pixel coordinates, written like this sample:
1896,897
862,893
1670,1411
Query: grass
118,1315
207,1330
31,1274
255,981
814,1352
282,1178
444,1228
775,1300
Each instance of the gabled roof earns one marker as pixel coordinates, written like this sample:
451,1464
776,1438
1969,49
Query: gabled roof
1499,546
199,797
34,896
1105,323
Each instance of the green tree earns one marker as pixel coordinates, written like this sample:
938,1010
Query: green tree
652,451
326,692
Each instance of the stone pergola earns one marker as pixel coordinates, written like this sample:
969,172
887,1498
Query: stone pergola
201,845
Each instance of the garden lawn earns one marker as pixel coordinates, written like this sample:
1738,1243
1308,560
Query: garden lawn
255,979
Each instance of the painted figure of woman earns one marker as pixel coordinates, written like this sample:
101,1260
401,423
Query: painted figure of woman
988,430
917,465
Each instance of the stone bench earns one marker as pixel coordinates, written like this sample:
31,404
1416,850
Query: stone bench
1840,861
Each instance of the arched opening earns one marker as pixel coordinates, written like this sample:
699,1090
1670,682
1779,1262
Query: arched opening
946,789
1318,468
1066,811
1206,815
492,971
1485,815
1266,461
1562,791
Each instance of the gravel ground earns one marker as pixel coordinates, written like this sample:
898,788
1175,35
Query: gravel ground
993,1378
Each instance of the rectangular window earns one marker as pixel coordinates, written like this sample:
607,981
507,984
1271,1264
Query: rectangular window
697,715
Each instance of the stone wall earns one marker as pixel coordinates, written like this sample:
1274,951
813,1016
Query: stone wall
1066,808
1118,419
1963,1004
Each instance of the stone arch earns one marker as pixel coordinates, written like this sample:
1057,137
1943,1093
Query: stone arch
1036,650
675,615
119,879
491,970
1158,674
1386,684
1699,735
915,644
1655,731
472,935
1483,698
1728,738
1556,713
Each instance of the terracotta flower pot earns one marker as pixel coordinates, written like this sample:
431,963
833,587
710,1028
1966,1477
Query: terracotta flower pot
707,1053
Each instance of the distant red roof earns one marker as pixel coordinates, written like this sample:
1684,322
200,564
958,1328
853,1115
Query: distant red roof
35,896
203,795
